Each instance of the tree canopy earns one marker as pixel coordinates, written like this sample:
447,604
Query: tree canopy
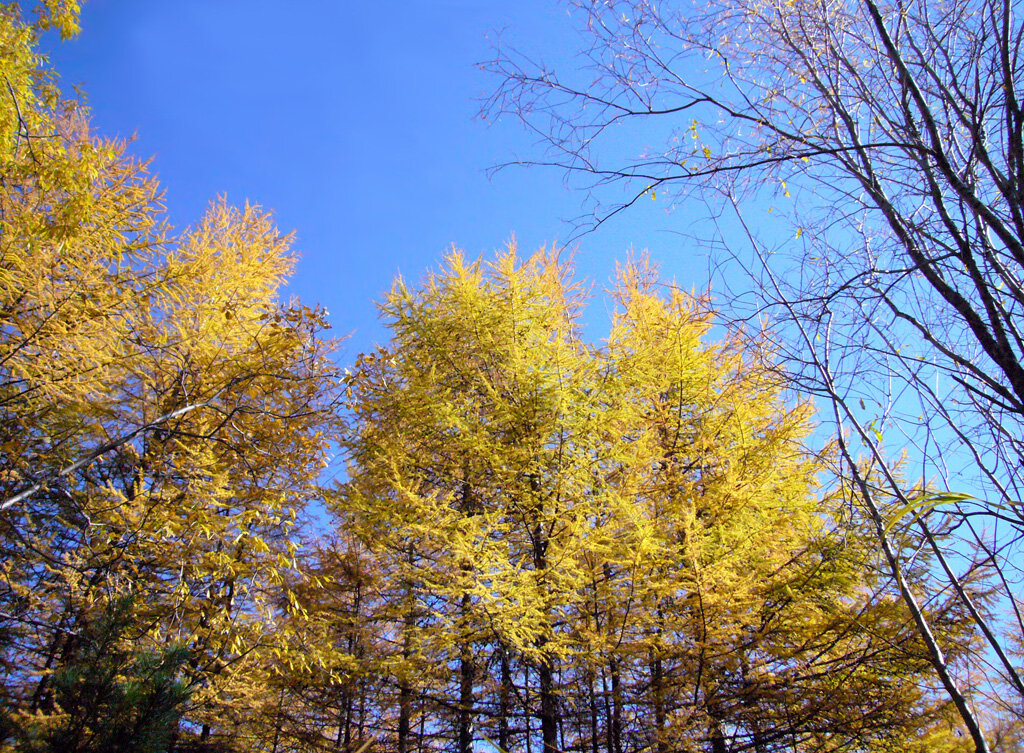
887,137
539,541
164,419
627,544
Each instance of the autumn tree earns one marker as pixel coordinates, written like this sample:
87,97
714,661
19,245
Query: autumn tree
887,138
164,419
327,674
735,614
609,548
464,466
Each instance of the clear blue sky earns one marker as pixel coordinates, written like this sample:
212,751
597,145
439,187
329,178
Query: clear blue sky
355,124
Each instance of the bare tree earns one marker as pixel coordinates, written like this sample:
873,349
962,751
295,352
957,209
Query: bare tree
886,139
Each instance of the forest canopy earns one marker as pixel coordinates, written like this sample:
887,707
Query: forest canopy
538,543
614,548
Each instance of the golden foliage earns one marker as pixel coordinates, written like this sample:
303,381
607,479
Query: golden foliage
644,514
164,415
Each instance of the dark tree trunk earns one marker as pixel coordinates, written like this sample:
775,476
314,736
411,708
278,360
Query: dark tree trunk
466,669
545,670
466,700
504,696
715,731
658,700
592,699
405,694
548,706
615,732
404,716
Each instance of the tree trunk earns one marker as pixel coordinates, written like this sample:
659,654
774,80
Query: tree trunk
717,738
404,687
466,668
715,729
658,700
466,700
504,694
615,733
404,716
548,705
592,703
545,670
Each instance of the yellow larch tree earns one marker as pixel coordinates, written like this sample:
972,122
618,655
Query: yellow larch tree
165,418
609,549
734,604
467,466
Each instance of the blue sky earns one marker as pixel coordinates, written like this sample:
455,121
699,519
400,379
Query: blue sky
356,124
